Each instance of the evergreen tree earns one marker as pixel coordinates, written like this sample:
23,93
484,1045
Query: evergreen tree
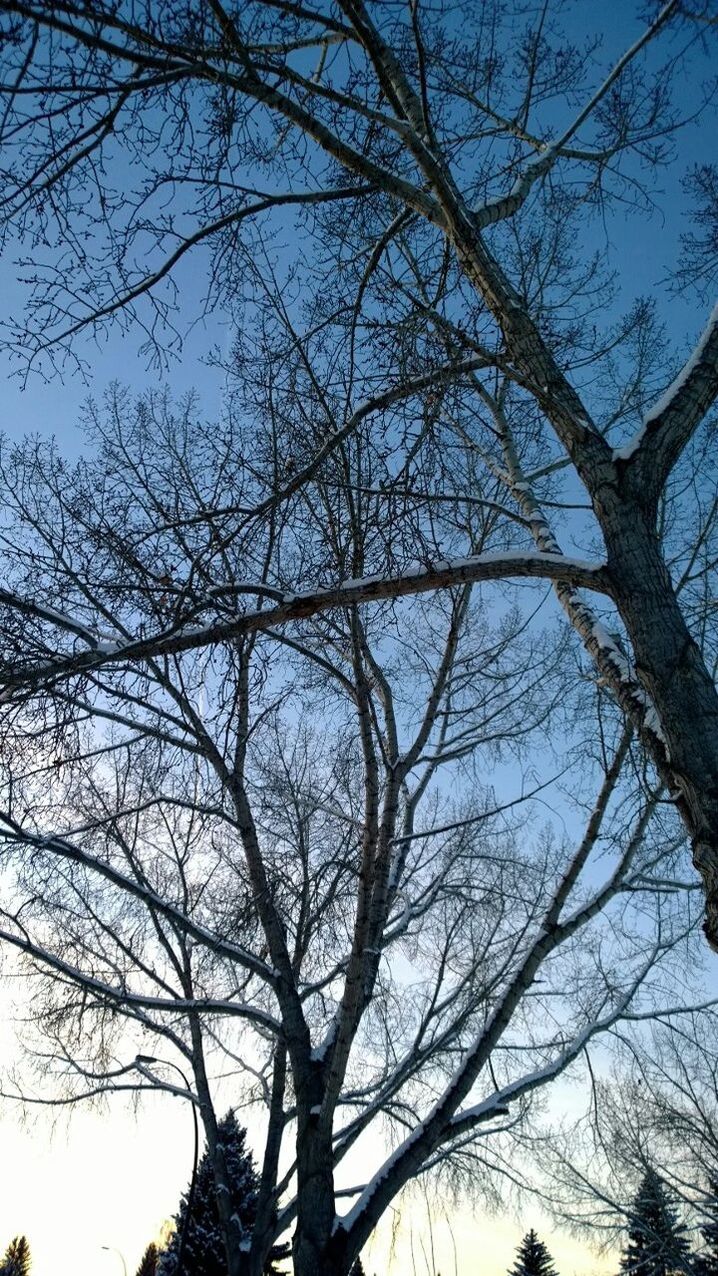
357,1269
657,1244
532,1258
706,1263
150,1261
204,1253
17,1258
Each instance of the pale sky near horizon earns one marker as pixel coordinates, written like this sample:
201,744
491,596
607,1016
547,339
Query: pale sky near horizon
112,1179
90,1187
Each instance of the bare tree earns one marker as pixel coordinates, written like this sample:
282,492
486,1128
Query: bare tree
656,1110
285,854
431,150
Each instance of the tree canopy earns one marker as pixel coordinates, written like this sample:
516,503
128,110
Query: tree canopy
439,196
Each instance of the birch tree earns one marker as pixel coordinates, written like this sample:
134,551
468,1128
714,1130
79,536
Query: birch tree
431,148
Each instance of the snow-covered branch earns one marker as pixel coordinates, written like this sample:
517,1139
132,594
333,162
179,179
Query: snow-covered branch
670,422
518,565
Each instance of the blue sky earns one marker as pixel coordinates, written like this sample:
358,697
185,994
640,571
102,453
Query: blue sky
642,249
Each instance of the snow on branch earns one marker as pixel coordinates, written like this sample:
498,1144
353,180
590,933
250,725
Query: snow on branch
123,997
419,579
497,1104
681,407
11,832
39,611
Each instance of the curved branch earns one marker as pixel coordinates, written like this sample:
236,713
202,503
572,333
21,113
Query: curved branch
520,565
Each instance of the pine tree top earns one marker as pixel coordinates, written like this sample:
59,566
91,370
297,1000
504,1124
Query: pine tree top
150,1261
657,1243
17,1258
532,1258
204,1252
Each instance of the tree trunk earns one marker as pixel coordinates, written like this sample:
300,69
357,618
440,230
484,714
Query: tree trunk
669,663
263,1232
236,1258
673,672
316,1250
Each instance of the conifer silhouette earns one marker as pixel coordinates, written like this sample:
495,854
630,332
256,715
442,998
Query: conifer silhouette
532,1258
657,1244
706,1263
17,1258
204,1252
149,1263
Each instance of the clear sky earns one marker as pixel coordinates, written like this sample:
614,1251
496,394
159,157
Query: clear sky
112,1178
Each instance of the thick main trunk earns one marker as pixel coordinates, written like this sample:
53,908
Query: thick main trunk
673,672
669,663
315,1248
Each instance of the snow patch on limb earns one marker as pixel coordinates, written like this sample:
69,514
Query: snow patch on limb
627,451
346,1222
41,611
519,562
610,648
320,1052
666,400
418,578
498,1102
